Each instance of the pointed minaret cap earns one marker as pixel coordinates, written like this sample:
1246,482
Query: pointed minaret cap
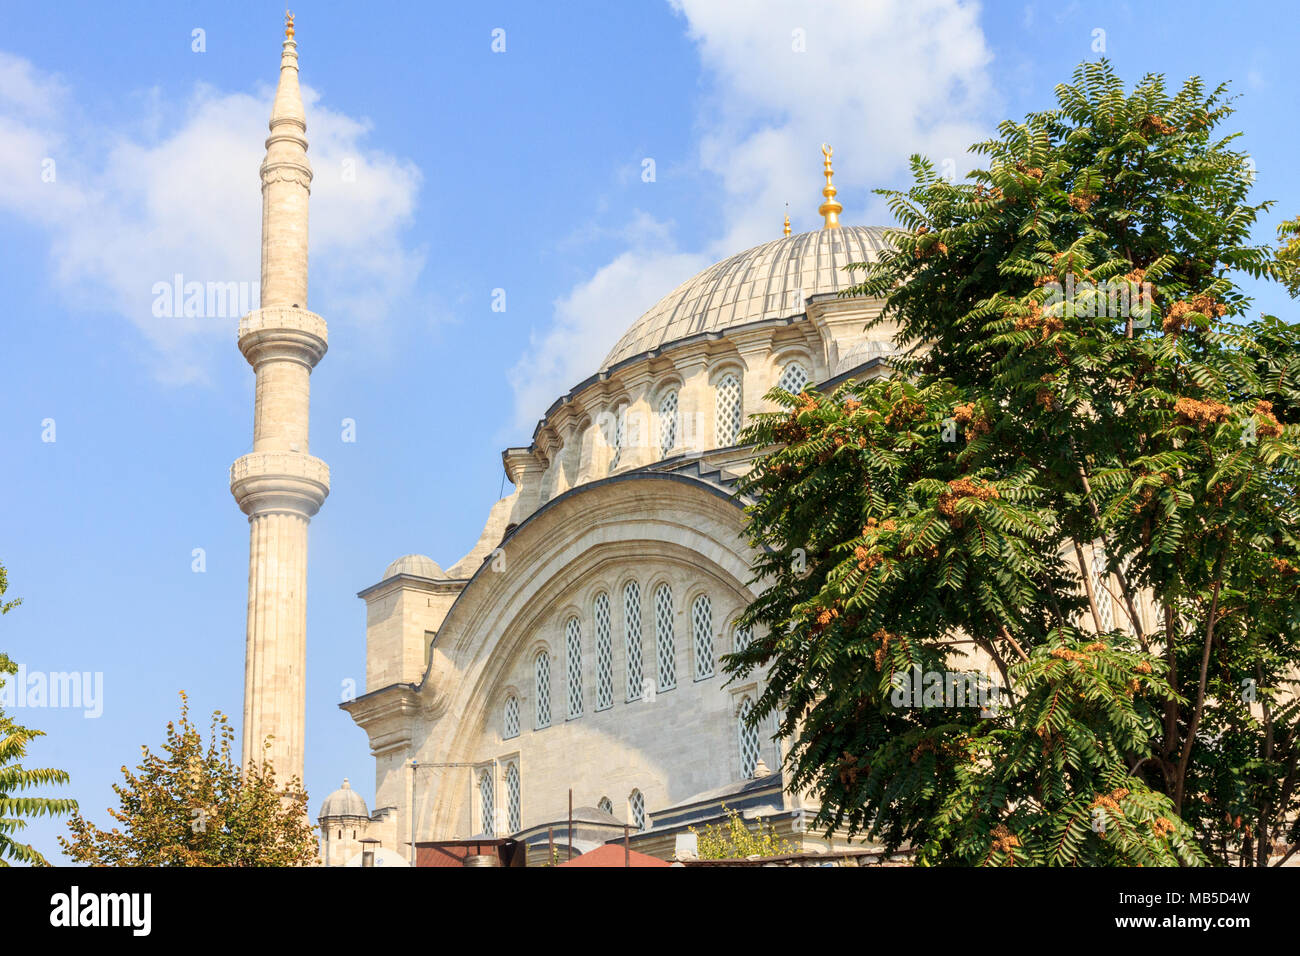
831,209
288,109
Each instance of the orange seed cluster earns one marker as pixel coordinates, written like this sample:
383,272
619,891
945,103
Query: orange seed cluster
958,489
1082,200
1003,839
1153,123
1271,427
1192,411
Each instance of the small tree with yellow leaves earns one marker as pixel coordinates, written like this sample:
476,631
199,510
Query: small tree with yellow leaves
192,806
735,840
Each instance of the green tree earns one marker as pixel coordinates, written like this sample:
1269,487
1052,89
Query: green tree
735,840
1288,256
14,777
1080,383
191,806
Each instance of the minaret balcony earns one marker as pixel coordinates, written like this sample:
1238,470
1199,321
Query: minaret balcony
279,481
283,333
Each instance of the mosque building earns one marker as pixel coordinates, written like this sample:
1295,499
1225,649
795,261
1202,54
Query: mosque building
574,652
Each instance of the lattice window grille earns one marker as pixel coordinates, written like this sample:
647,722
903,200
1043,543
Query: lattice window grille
513,816
748,736
668,423
543,676
728,411
487,803
632,633
636,803
793,378
702,629
1105,609
573,659
510,720
607,805
741,638
604,655
665,644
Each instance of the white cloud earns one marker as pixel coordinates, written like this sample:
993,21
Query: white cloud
879,81
592,317
128,208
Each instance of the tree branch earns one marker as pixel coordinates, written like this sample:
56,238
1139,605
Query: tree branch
1181,782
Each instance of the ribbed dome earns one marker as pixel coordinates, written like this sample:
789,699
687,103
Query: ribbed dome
344,802
766,282
417,564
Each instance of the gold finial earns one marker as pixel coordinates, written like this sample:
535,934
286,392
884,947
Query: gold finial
288,25
830,208
787,219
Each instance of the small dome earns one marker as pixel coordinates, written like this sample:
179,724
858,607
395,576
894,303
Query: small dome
420,565
343,802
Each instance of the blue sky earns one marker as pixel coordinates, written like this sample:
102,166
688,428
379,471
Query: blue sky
444,171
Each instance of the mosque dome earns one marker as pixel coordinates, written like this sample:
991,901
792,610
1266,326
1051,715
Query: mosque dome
418,564
769,281
343,802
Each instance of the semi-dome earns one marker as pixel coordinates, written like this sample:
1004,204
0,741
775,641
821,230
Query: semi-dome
765,282
343,802
418,564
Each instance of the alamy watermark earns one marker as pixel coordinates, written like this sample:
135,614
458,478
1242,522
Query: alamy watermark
1114,298
63,690
947,689
179,299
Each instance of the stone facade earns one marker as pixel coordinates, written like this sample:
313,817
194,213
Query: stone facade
619,558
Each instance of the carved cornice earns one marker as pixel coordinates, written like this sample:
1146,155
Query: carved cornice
288,334
283,171
386,715
266,482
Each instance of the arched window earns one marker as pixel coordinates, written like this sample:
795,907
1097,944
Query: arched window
741,637
702,630
487,803
513,821
665,645
618,438
607,805
793,378
542,674
1099,590
632,634
604,655
573,668
668,422
510,718
748,736
729,410
636,808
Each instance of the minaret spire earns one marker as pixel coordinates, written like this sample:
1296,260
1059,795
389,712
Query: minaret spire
831,208
286,184
279,485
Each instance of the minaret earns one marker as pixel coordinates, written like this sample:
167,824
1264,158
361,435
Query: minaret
279,486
